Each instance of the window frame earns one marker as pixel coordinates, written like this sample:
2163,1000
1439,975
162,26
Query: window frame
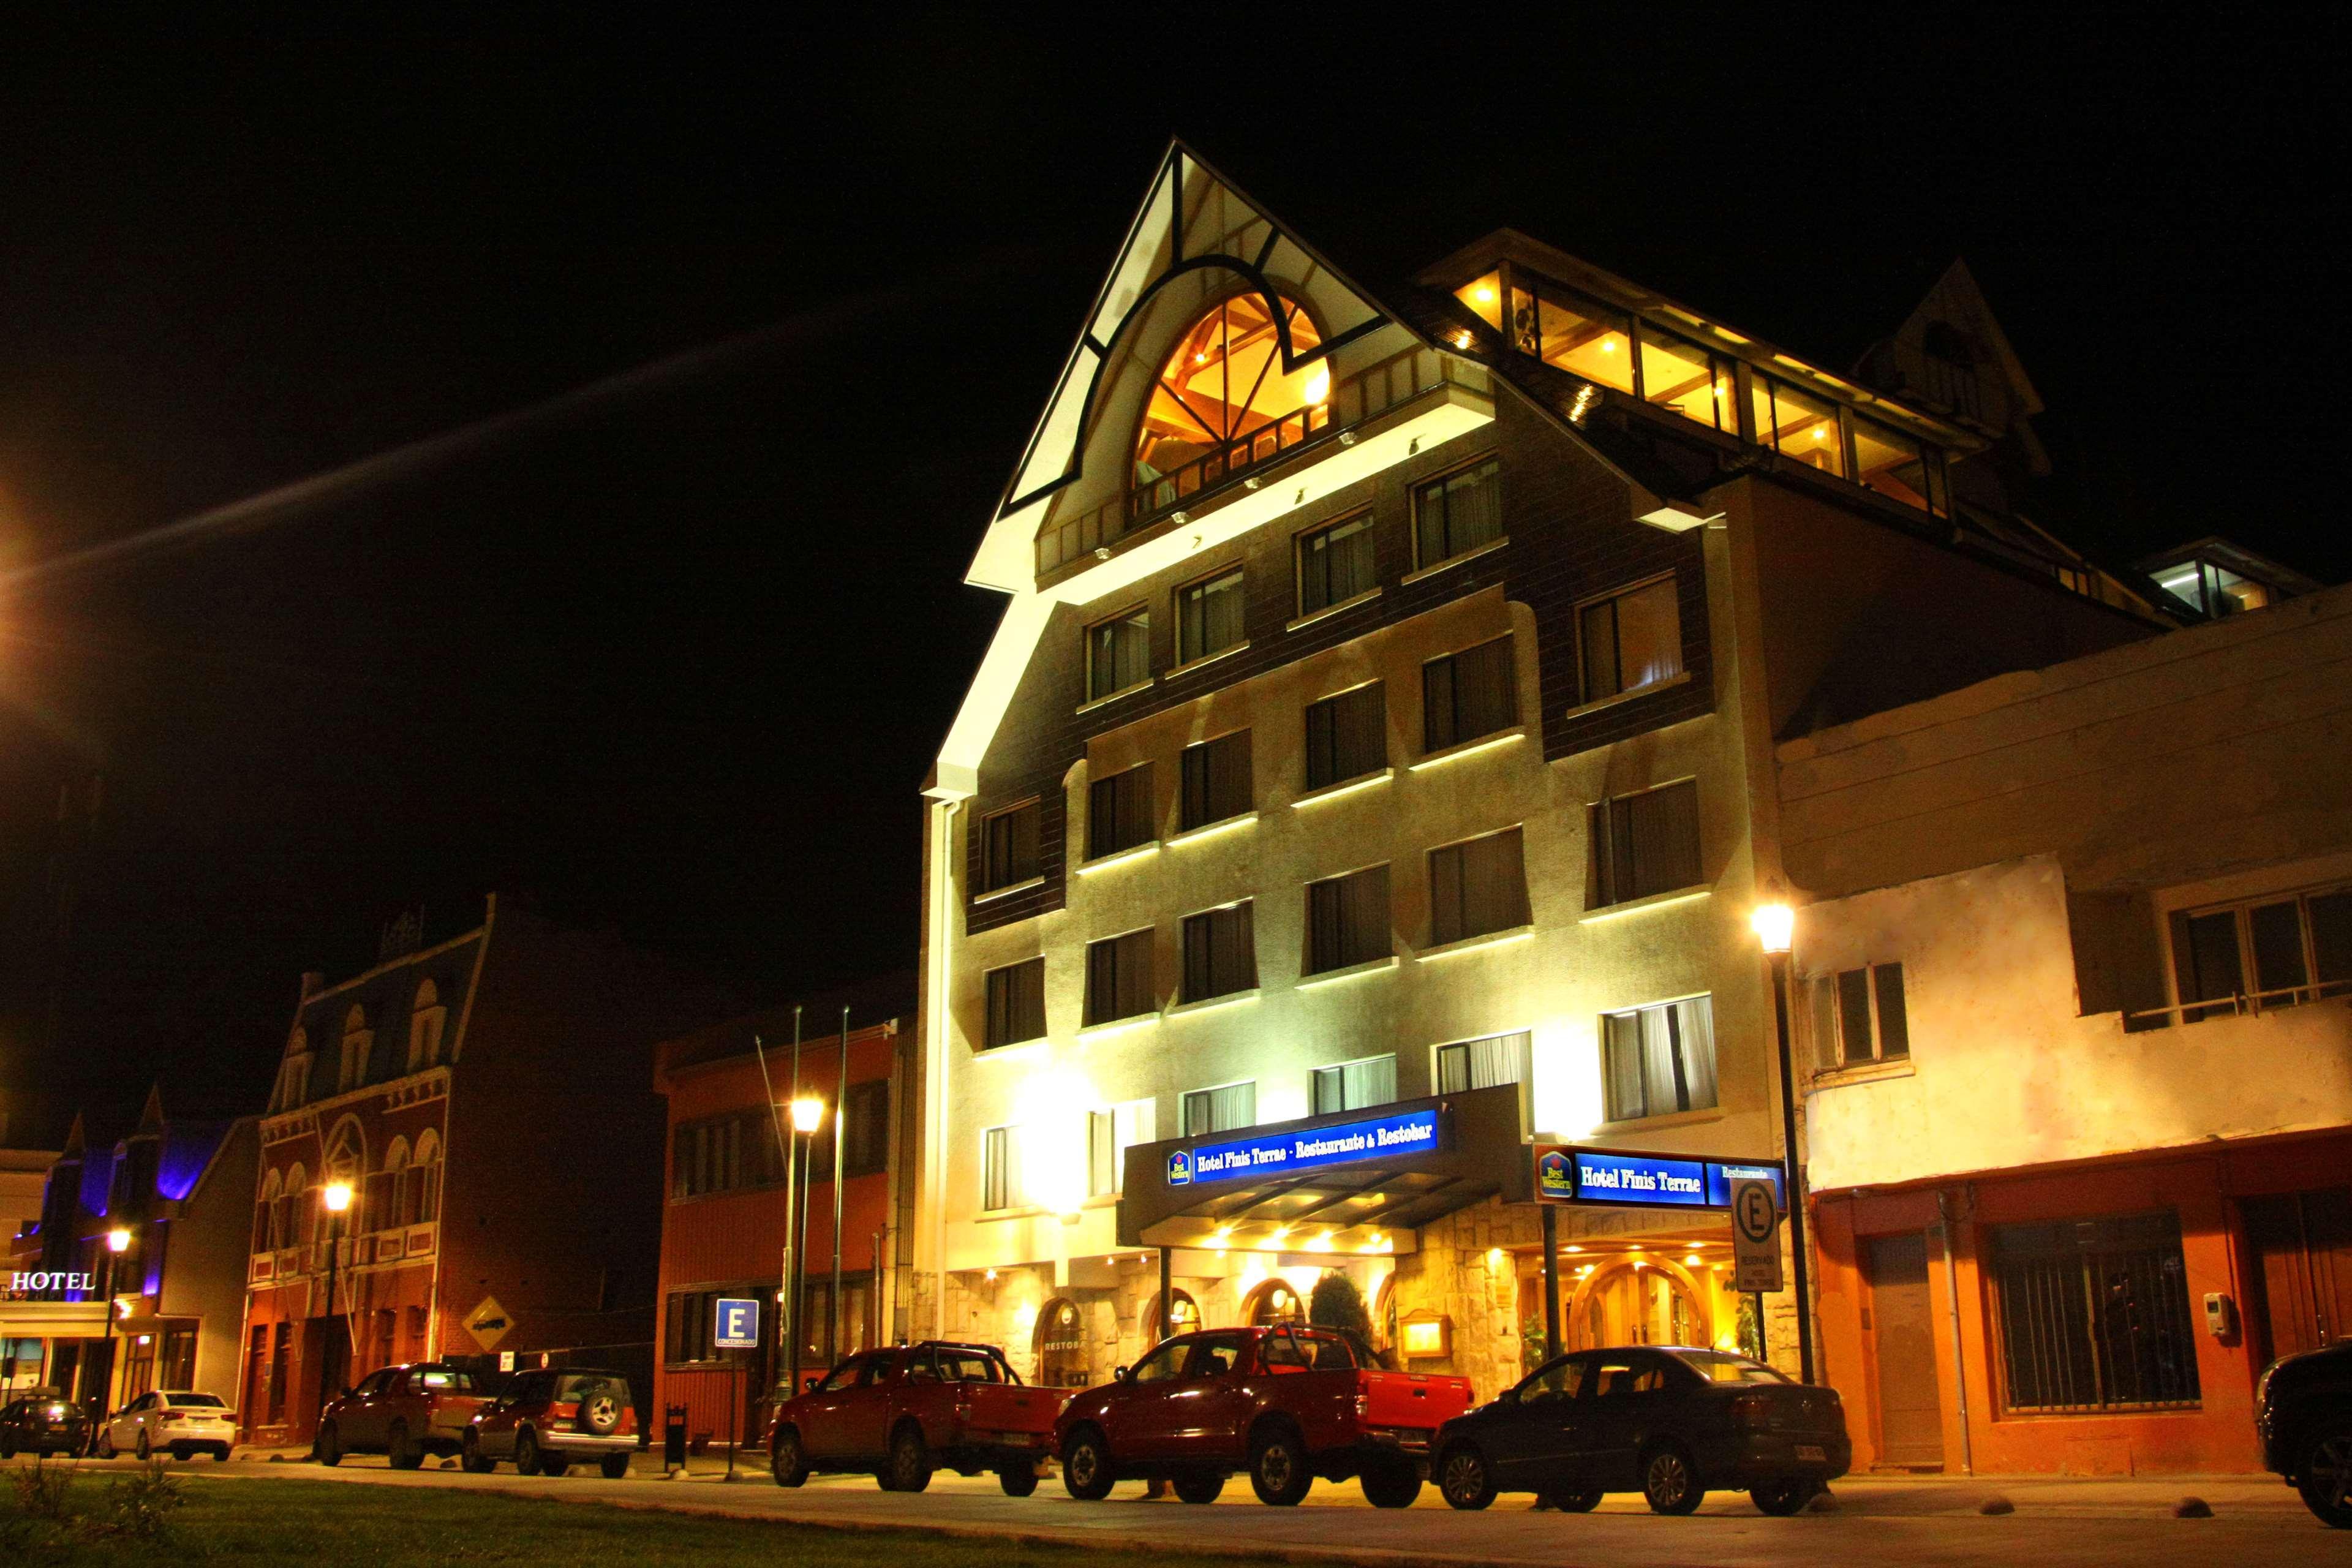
1148,813
1183,1108
1139,611
1245,910
989,883
1826,1016
1430,745
1014,1177
1179,596
2249,994
1586,695
1314,1084
1422,488
1311,968
989,1042
1524,907
1525,1063
1689,1107
1601,832
1359,523
1306,726
1184,776
1142,939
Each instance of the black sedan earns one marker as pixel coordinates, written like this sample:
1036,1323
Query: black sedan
1665,1421
2302,1412
43,1421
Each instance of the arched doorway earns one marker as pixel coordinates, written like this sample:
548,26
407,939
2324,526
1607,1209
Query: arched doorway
1183,1317
1275,1301
1061,1346
1638,1304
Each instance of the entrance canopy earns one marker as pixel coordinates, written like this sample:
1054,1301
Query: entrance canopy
1351,1182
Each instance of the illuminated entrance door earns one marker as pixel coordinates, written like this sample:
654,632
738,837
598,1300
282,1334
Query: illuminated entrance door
1640,1305
1274,1302
1061,1346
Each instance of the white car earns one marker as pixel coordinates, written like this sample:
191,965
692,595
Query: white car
177,1421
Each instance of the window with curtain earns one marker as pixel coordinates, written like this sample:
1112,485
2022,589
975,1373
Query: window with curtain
1208,615
1631,640
1220,952
1119,812
1456,514
1119,653
1119,977
1646,844
1016,1003
1468,694
1215,781
1347,920
1008,845
1347,736
1000,1182
1659,1060
1335,563
2095,1314
1355,1086
1477,887
1226,1108
1111,1132
1797,425
1858,1016
1484,1064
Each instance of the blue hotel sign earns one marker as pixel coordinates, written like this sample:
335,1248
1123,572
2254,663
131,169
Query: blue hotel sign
1351,1142
1652,1181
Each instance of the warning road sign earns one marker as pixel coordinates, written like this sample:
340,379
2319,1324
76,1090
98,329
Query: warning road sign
1755,1236
489,1323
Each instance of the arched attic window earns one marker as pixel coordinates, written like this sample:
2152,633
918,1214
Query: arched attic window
1223,391
357,1038
265,1209
426,1017
424,1178
293,1073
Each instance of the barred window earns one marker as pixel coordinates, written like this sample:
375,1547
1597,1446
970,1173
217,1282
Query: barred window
1220,952
1347,920
1119,977
1016,1003
1347,736
1216,782
1008,845
1119,812
2095,1314
1646,843
1476,888
1468,694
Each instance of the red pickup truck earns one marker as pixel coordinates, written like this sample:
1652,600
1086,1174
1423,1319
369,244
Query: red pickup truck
1287,1404
901,1413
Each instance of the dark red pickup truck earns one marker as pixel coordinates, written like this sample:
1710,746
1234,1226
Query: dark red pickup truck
900,1414
1287,1404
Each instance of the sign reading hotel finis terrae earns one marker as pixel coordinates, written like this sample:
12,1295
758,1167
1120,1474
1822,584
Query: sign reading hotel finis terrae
58,1281
1414,1132
1604,1176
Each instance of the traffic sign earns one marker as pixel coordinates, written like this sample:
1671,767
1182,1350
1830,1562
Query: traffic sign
738,1325
1755,1235
489,1323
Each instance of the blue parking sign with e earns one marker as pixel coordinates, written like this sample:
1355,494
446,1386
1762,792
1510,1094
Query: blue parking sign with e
738,1328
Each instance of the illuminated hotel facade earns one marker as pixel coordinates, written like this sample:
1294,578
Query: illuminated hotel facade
1382,723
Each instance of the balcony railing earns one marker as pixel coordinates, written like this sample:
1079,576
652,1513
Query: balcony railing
2245,1002
1366,394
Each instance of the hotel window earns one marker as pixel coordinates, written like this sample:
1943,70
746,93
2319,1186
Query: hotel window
1679,375
1335,563
2274,952
1347,736
1001,1185
1476,888
1119,977
2095,1314
1118,812
1220,952
1111,1132
1226,1108
1216,782
1468,694
1457,513
1016,1003
1659,1060
1355,1086
1858,1016
1208,615
1898,466
1631,640
1008,845
1347,920
1119,653
1646,843
1483,1063
1799,424
1579,336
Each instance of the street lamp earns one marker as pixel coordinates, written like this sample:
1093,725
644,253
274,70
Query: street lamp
335,1197
1775,927
807,1114
118,1242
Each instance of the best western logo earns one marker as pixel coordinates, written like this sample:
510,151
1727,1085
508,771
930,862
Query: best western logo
1179,1168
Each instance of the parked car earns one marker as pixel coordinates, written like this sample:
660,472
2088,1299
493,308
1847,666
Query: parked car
1669,1422
1285,1405
546,1420
903,1413
402,1412
180,1422
43,1421
2303,1413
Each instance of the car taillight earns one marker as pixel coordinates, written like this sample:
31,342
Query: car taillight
1363,1404
169,1417
564,1412
1751,1409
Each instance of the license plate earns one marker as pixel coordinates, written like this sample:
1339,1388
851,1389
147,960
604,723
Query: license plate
1807,1451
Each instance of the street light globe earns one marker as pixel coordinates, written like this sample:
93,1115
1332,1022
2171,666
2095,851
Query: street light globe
337,1196
808,1114
1775,924
118,1240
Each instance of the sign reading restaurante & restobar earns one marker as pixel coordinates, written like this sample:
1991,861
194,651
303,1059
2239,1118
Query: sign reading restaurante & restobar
1411,1133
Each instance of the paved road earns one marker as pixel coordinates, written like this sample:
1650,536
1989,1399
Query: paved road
1919,1523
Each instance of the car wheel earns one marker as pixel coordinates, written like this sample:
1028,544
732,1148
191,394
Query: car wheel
1085,1467
552,1463
1018,1480
1570,1499
7,1444
2325,1476
1784,1497
1392,1485
330,1445
220,1454
616,1467
1464,1481
785,1460
1278,1471
910,1462
1669,1482
103,1444
1200,1486
143,1448
470,1456
398,1451
599,1410
526,1452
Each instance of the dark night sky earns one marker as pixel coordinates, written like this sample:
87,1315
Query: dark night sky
672,658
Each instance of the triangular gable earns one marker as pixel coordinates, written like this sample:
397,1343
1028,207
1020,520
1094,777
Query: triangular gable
1191,218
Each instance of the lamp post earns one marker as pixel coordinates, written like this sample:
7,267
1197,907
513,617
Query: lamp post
1775,927
118,1242
335,1196
807,1116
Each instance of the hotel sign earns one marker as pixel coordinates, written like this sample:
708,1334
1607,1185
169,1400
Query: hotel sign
29,1283
1349,1143
1649,1181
